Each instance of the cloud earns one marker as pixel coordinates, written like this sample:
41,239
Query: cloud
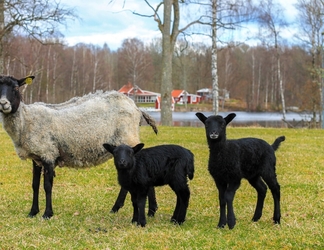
102,22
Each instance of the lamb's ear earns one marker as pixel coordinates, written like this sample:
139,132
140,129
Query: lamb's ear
109,148
138,147
26,80
201,117
229,118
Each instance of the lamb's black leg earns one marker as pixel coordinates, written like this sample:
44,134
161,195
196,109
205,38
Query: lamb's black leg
229,197
275,190
141,200
36,183
222,204
120,200
153,207
48,185
180,211
261,189
135,207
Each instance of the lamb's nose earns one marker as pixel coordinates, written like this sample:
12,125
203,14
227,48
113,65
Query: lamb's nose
213,135
122,162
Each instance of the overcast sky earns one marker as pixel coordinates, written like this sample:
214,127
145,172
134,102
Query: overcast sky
102,22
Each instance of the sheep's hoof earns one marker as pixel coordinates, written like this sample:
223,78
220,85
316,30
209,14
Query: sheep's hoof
177,222
151,212
115,208
47,216
32,213
142,224
221,225
231,225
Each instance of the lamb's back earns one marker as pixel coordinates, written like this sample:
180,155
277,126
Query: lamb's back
238,158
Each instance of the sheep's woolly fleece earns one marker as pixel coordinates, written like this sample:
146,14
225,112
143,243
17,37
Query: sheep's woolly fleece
72,133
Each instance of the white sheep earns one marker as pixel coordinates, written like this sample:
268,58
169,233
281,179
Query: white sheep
69,134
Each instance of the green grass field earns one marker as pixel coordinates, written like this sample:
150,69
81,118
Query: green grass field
83,198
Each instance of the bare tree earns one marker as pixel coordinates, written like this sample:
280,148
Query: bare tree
133,61
271,22
35,18
310,22
223,14
169,25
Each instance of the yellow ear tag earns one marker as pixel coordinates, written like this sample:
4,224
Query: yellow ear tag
29,80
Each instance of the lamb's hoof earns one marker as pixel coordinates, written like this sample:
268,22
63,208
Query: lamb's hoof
32,213
177,222
47,216
142,224
151,212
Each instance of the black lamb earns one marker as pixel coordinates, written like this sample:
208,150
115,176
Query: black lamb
139,170
231,160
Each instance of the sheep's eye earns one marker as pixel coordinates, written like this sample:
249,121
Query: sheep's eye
16,88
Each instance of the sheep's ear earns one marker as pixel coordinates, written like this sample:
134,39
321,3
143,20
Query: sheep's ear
26,80
138,147
109,148
229,118
201,117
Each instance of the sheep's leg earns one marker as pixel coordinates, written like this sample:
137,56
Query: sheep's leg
153,207
261,188
120,200
275,190
48,185
229,197
180,211
141,200
135,207
36,183
222,204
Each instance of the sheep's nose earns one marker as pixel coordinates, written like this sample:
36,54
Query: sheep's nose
122,162
213,135
3,101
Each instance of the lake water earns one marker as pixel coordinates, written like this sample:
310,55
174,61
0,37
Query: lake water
260,119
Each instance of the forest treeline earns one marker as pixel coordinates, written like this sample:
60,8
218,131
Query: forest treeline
248,73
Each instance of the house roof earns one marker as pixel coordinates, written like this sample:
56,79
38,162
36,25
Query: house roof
205,90
129,90
178,92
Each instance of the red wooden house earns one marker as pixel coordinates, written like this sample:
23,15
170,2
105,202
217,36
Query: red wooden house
137,94
181,96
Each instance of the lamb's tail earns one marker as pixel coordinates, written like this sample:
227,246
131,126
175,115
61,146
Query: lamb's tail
150,121
277,142
190,167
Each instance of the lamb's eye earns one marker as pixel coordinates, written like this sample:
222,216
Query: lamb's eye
16,88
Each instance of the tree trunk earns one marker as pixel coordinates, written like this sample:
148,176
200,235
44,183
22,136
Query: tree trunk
282,94
2,25
167,52
214,59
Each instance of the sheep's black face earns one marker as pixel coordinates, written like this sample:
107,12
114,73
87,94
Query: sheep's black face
123,157
215,125
9,93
